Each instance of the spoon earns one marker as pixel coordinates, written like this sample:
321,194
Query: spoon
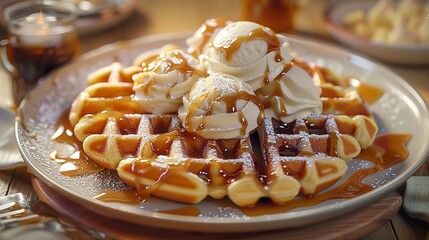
6,126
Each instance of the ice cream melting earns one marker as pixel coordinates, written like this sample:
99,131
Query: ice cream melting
221,106
200,40
259,57
248,51
249,68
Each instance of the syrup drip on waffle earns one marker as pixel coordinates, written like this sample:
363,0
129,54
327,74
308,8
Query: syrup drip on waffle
322,76
174,61
386,151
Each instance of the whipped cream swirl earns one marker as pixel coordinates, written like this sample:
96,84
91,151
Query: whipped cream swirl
293,96
164,80
221,106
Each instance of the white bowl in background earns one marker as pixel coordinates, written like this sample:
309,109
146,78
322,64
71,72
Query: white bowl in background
407,54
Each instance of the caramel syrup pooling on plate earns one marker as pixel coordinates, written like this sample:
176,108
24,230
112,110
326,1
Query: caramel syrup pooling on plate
387,150
76,163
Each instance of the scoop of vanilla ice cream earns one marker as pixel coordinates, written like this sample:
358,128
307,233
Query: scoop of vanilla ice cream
198,42
220,106
249,51
164,80
292,97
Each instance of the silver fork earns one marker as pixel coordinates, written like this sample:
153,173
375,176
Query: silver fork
16,216
15,210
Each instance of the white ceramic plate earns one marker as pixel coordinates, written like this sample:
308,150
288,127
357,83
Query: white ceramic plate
400,110
408,54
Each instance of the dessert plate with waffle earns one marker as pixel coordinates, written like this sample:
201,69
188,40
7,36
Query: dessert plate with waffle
232,128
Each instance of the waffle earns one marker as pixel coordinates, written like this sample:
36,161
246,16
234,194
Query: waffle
314,149
153,154
156,156
109,88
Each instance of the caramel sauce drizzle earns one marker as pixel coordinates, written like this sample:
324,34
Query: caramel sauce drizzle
78,163
171,61
158,173
191,111
175,61
243,122
387,150
143,167
209,28
193,144
322,75
231,107
147,85
262,33
161,145
266,98
368,92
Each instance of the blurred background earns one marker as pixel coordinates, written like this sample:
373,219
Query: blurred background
333,22
101,22
126,19
106,21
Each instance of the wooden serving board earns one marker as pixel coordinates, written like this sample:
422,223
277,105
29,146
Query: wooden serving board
351,226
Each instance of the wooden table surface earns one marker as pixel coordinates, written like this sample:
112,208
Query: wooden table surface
166,16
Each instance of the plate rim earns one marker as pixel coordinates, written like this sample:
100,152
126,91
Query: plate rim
182,222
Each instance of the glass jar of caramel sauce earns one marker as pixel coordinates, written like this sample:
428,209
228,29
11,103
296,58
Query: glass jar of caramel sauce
41,36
